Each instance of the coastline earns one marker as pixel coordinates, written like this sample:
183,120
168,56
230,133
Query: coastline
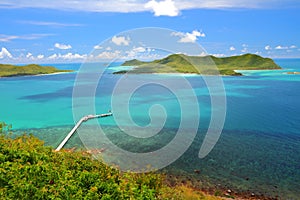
33,75
55,73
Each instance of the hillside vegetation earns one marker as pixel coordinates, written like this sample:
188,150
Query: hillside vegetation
207,65
32,69
29,170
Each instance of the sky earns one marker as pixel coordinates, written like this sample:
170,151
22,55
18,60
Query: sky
51,31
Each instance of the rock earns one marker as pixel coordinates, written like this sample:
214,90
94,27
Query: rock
229,191
197,171
227,194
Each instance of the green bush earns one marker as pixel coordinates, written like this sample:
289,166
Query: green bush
29,170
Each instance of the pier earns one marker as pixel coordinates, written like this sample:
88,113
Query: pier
83,119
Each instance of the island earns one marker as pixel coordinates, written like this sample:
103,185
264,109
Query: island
206,65
293,73
7,70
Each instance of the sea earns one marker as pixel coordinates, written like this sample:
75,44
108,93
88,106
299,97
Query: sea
254,130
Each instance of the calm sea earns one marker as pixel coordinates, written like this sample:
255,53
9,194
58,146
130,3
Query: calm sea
258,151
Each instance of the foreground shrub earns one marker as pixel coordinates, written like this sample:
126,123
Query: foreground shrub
29,170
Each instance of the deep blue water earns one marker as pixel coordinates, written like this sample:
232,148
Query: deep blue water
259,147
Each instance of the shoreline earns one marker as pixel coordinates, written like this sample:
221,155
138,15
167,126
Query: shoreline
33,75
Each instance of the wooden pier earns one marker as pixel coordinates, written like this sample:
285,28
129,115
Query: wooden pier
83,119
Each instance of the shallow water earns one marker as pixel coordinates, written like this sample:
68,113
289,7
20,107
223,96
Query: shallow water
258,150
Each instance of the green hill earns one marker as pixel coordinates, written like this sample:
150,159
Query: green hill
32,69
179,63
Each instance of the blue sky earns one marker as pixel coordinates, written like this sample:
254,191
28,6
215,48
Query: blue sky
68,31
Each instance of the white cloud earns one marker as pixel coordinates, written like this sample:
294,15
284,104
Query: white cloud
188,37
281,47
293,47
126,6
244,50
40,56
139,49
268,47
62,46
232,48
136,51
29,55
53,56
71,56
219,55
108,55
121,40
98,47
163,8
4,53
67,56
108,48
7,38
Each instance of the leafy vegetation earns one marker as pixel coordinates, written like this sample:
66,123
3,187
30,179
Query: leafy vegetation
29,170
32,69
207,65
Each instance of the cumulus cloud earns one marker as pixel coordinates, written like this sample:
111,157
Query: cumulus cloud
293,47
219,55
40,56
53,56
163,8
62,46
67,56
188,37
268,47
4,53
70,56
29,55
232,48
98,47
137,50
121,40
279,47
108,55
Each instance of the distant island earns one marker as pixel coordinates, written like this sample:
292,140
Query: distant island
293,72
180,63
7,70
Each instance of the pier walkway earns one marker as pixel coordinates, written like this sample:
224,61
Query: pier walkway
83,119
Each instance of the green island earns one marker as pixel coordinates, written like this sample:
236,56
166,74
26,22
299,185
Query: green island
206,65
30,170
7,70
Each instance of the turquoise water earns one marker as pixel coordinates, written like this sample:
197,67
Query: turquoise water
258,150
